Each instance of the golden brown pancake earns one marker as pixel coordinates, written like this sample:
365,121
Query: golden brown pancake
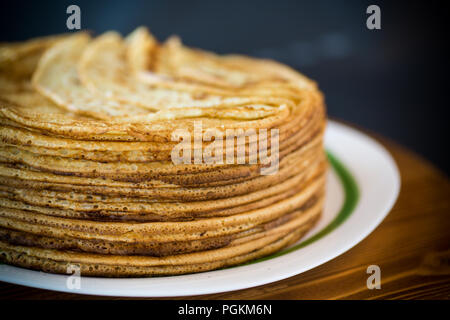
89,127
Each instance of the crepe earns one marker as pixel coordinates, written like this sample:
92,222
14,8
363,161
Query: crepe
130,157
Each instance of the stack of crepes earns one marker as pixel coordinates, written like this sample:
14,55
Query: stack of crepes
87,176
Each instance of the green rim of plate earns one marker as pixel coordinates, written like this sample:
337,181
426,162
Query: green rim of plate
351,197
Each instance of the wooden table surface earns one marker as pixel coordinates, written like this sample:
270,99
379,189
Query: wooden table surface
411,247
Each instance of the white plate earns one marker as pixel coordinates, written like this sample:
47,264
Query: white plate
368,171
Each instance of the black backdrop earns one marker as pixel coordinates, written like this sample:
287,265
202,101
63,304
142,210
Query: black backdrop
392,81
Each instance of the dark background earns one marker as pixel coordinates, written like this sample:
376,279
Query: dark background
392,81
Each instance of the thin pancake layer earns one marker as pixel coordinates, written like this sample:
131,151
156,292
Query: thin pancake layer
91,131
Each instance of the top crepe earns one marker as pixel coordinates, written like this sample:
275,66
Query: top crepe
96,89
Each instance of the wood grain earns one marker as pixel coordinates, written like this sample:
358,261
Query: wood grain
411,246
